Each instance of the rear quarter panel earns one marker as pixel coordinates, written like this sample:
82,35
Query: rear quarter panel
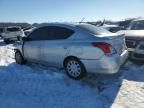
85,50
82,47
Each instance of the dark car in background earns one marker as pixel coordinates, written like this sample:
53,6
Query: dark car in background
1,31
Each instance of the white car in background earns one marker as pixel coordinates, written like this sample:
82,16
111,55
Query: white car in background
28,30
12,34
135,39
111,28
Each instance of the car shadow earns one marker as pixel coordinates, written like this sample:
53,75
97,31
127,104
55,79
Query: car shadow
109,85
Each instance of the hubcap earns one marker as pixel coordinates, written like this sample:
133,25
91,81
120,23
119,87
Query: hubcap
73,68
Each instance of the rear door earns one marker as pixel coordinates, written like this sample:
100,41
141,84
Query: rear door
33,49
57,46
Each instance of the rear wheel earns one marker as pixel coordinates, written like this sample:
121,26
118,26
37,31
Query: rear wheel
74,68
19,58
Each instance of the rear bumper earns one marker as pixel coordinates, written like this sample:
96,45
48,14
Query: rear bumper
124,57
107,64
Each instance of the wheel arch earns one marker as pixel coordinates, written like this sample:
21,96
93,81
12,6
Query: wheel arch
69,57
83,68
15,50
23,61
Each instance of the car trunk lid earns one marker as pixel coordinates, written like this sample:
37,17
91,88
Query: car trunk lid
117,41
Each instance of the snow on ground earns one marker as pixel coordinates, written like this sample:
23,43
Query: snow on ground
35,86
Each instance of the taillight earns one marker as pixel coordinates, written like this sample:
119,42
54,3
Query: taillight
105,47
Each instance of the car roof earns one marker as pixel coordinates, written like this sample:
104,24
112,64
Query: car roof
72,24
58,24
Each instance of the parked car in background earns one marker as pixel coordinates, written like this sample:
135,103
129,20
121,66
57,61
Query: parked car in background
12,34
135,39
28,30
1,31
111,28
79,48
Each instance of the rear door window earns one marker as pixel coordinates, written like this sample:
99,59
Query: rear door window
59,33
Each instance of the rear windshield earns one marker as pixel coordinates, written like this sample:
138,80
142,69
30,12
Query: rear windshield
137,25
13,29
93,29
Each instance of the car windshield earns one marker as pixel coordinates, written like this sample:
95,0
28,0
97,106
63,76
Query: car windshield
93,29
137,25
13,29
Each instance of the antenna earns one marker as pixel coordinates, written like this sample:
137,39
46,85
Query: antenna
103,22
82,20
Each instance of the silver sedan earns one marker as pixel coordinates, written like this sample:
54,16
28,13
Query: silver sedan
79,48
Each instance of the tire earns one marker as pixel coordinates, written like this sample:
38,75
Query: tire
7,41
19,58
74,68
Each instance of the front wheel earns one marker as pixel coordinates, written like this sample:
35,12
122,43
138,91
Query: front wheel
19,58
74,68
